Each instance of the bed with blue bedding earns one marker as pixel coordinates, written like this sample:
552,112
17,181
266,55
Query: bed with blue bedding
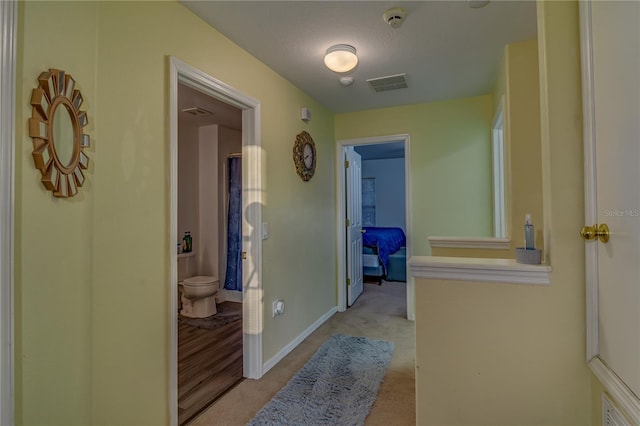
388,245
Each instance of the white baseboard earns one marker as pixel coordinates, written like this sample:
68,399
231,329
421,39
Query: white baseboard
295,342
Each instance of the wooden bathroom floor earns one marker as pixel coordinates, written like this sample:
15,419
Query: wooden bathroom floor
209,364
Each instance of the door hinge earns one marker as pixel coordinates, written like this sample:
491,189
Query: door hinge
348,282
348,223
244,255
346,164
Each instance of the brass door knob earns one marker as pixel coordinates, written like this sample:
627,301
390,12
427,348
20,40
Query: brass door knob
600,232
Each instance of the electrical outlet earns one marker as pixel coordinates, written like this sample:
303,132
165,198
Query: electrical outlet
278,307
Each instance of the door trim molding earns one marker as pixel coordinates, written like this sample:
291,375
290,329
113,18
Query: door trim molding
627,400
8,28
341,214
590,179
252,308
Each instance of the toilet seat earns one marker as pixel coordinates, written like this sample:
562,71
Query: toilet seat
200,281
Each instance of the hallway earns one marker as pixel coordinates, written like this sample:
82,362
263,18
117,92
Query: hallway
379,313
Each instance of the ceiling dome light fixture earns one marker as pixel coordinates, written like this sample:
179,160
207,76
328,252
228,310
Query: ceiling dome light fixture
341,58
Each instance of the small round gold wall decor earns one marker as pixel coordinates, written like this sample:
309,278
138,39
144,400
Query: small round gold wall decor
55,127
304,156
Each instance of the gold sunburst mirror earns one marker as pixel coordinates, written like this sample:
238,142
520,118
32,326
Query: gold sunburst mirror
56,127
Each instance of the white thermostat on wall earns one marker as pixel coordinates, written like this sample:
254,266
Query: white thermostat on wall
305,114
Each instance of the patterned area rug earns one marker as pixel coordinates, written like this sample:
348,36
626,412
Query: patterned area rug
337,386
225,315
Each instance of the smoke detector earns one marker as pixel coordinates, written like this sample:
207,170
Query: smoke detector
394,16
346,81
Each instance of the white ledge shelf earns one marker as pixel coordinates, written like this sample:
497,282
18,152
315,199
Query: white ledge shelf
187,254
478,269
470,242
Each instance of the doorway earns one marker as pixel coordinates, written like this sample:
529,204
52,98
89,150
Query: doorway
401,141
209,200
181,73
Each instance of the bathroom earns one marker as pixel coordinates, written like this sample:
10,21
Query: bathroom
209,292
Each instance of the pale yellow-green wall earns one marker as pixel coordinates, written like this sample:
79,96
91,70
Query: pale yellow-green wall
504,354
517,87
92,273
523,139
450,163
54,237
597,389
497,354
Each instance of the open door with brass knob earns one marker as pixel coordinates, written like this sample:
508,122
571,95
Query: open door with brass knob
594,232
611,83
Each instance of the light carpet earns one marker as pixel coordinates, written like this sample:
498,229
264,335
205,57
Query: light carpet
337,386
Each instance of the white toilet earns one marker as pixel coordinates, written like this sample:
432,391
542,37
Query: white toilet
197,294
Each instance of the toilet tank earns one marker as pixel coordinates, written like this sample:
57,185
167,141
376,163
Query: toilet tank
186,265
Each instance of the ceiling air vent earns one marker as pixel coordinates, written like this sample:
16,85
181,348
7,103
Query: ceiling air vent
390,82
197,111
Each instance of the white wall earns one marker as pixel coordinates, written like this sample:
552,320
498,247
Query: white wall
188,179
390,190
202,155
206,240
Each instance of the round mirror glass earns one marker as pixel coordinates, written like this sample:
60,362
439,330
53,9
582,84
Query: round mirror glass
62,134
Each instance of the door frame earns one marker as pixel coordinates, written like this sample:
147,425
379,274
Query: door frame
611,382
252,307
8,29
341,212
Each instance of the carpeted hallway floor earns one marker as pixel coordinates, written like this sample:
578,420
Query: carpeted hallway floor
379,313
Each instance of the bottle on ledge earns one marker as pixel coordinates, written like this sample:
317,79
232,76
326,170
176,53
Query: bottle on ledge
528,233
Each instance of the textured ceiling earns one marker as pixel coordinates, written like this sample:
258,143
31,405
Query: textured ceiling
447,49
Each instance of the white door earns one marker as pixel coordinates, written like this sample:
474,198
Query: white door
612,182
353,182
